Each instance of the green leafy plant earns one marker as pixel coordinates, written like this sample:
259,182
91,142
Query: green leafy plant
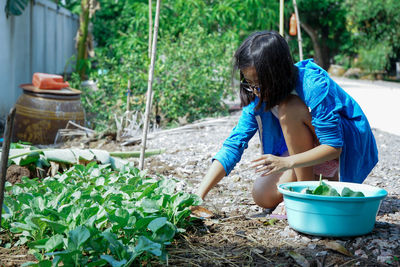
323,189
94,216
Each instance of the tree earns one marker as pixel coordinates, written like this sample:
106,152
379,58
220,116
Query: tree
374,32
324,22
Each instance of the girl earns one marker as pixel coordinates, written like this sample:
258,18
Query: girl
307,124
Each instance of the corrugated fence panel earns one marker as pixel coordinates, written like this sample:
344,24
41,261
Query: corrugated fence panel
42,39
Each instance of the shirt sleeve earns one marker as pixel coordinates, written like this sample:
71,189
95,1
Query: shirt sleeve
232,149
325,114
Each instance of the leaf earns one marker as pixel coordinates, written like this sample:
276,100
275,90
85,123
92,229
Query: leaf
97,263
145,244
143,222
55,226
116,247
18,227
165,233
53,243
157,223
149,205
149,189
112,261
338,248
42,263
201,212
325,190
38,244
77,237
27,156
347,192
299,259
121,216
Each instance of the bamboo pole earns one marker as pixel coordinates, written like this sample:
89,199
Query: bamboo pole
281,7
128,97
150,27
150,86
4,156
118,154
298,30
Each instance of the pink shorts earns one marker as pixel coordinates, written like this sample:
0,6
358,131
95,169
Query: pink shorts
327,169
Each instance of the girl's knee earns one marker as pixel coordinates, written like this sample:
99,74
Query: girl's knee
265,192
265,188
293,108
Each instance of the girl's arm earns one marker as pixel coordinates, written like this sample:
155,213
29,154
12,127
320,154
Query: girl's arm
231,151
315,156
213,176
270,164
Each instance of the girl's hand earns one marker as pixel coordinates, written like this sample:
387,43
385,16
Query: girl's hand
270,164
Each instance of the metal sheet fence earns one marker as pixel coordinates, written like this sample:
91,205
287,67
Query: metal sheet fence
42,39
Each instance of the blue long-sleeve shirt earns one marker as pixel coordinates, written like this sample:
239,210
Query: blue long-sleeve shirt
337,118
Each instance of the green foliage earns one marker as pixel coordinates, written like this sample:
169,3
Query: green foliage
376,58
324,189
323,20
93,216
15,7
195,46
347,192
373,26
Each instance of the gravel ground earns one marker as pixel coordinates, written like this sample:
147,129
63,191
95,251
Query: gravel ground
188,156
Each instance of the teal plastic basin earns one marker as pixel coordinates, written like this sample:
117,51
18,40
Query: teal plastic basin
331,216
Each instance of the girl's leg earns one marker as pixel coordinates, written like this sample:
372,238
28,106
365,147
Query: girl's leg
295,120
265,192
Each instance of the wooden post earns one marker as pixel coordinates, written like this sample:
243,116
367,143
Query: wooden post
150,86
281,17
128,97
4,156
150,27
298,30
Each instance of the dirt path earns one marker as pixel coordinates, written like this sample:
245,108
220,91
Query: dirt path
235,238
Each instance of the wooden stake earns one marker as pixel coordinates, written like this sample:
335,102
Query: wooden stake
4,156
150,86
128,97
281,7
150,27
298,30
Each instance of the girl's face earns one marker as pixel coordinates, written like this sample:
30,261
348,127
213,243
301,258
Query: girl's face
250,82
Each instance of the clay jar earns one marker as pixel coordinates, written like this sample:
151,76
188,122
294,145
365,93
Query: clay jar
41,113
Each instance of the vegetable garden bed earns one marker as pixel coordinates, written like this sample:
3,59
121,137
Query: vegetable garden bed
94,216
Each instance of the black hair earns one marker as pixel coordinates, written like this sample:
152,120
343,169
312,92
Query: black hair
269,53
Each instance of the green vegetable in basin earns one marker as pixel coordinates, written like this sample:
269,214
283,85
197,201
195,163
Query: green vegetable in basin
324,189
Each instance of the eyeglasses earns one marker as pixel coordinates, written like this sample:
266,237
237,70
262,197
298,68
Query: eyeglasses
249,87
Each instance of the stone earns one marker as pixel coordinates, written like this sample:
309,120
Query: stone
336,70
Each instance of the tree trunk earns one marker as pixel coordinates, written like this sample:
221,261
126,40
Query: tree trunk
82,39
321,51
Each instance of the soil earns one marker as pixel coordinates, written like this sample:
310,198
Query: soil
240,233
16,172
13,256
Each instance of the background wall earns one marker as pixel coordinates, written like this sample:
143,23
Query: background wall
42,39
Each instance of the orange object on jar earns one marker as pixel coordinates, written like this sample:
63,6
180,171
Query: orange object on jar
293,25
48,81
